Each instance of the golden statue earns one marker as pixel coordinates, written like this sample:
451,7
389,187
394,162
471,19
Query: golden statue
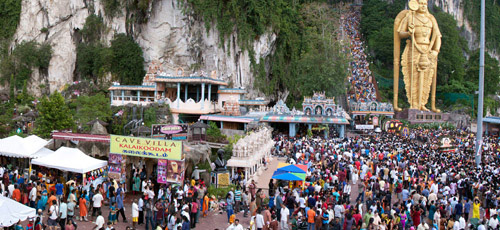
419,59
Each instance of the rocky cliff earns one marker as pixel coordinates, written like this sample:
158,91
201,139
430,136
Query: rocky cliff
456,8
172,35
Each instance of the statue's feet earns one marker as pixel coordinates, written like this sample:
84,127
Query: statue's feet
424,109
434,109
397,109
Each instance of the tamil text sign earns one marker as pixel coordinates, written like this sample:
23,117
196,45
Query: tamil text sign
146,147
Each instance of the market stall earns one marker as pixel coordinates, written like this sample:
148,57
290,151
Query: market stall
28,147
13,211
71,160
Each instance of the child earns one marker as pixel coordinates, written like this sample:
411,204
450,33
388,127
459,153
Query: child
112,213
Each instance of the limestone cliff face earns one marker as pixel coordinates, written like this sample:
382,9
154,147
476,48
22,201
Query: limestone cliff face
170,36
456,8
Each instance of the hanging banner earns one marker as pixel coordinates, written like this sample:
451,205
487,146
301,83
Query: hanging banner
162,171
175,171
170,132
146,147
114,166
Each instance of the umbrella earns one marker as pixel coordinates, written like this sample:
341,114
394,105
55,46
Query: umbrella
13,211
293,169
297,168
282,175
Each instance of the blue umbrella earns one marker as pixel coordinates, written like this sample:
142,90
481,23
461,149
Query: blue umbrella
292,168
282,175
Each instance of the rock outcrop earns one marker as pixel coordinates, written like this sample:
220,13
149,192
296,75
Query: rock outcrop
174,38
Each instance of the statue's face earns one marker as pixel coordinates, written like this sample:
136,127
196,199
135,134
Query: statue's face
422,6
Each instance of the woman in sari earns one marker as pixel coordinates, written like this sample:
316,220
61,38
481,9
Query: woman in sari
206,203
83,207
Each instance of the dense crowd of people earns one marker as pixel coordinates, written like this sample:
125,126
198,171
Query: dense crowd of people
390,182
361,76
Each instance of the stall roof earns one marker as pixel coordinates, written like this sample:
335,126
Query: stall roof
190,79
238,119
16,146
133,87
13,211
493,120
305,119
71,160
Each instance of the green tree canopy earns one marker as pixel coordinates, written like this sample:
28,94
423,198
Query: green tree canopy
491,73
54,114
24,58
127,62
93,107
10,13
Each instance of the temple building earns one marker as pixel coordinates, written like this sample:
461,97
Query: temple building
188,96
319,113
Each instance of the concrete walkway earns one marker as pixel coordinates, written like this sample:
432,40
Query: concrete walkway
263,179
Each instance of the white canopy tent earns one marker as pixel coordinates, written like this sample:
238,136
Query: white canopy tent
71,160
28,147
13,211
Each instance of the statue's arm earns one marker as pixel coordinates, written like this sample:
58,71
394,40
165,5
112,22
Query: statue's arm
403,29
437,33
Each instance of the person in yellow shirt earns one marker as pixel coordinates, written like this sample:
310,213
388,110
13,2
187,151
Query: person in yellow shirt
475,208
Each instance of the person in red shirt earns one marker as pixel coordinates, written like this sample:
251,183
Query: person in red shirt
16,194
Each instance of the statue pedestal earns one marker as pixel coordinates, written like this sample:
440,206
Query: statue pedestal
220,178
415,116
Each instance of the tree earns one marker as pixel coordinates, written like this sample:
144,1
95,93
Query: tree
491,73
451,60
128,63
10,13
25,57
214,134
54,114
89,108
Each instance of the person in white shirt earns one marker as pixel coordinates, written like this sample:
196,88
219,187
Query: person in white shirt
462,222
97,203
235,226
259,220
11,189
284,217
32,196
141,210
456,225
493,222
347,193
99,222
135,213
53,214
302,202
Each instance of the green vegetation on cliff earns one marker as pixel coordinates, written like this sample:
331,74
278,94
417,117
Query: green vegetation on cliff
307,54
472,11
94,59
10,13
17,66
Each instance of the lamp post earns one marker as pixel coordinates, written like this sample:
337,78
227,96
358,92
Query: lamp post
479,135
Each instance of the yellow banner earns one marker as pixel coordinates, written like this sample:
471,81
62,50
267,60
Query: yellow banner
146,147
